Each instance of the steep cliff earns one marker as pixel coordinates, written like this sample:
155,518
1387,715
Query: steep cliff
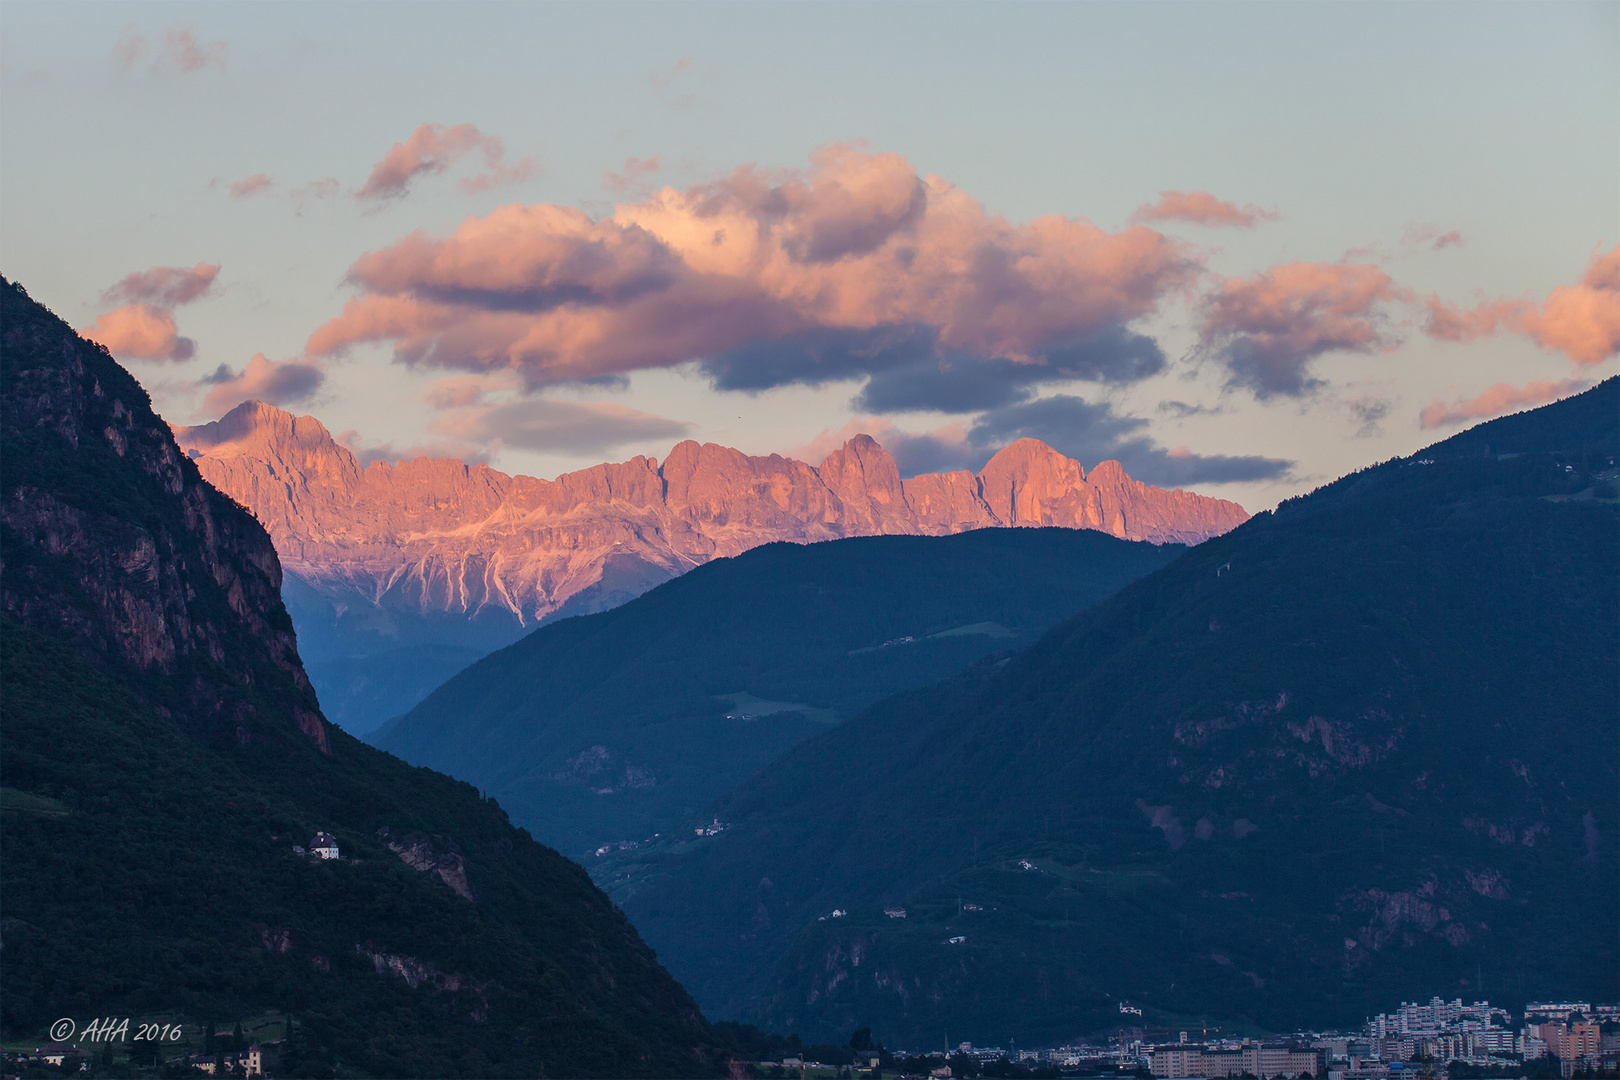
164,763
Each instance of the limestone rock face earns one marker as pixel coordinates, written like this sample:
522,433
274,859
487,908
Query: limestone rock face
114,544
441,537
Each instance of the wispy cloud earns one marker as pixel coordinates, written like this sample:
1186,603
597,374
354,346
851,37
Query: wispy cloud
165,285
180,50
665,76
1499,399
1202,208
1422,235
632,173
433,148
251,186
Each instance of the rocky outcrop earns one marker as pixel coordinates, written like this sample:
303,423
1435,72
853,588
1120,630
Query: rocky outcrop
420,853
112,537
441,536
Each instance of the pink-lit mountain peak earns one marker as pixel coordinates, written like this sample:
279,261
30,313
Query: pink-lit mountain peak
436,535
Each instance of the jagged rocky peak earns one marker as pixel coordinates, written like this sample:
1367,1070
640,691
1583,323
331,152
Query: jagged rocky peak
435,535
256,428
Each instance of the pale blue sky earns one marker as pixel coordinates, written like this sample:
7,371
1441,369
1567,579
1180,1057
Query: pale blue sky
1352,121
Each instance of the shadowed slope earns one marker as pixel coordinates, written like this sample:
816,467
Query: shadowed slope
1359,750
608,727
156,707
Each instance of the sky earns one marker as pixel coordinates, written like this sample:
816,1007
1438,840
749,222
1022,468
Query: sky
1242,248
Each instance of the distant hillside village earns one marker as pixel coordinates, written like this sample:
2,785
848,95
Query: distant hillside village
1438,1040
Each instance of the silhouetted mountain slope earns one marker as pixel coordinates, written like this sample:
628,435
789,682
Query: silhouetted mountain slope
162,753
608,727
1357,751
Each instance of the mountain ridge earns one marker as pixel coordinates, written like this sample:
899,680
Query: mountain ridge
1360,748
703,501
605,728
398,575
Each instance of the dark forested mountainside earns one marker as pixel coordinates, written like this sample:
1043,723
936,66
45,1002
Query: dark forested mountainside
1360,750
162,753
607,728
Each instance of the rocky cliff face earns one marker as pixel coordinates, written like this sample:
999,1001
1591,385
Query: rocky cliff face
438,536
167,750
112,537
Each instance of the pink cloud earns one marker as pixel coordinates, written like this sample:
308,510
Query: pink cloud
129,46
634,169
1582,321
1268,329
433,148
249,186
274,382
183,52
1424,235
1499,399
141,331
498,175
662,79
1454,324
315,190
164,285
1202,208
853,266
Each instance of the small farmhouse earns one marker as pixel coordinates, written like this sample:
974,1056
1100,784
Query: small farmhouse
325,845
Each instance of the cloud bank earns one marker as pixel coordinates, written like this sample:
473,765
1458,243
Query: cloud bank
165,285
856,269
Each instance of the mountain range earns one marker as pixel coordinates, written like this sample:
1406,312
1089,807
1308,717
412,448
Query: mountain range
1361,749
605,729
400,574
165,767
